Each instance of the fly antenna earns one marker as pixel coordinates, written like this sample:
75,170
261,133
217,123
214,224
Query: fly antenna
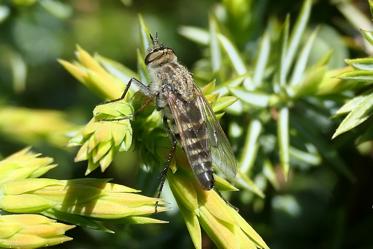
154,40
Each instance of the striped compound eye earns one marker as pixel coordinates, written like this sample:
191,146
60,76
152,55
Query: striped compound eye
160,56
154,55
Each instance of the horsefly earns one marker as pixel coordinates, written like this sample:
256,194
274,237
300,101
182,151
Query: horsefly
187,116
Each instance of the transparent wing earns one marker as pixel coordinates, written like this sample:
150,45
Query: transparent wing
192,130
222,154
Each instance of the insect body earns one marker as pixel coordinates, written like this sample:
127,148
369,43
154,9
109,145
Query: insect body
187,116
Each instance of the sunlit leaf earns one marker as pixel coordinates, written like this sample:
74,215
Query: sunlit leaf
193,226
351,105
358,115
358,75
284,61
223,102
361,63
303,156
245,182
283,139
233,54
214,46
57,8
262,59
310,82
297,34
301,63
252,98
142,69
144,36
368,35
115,68
195,34
223,185
4,12
250,149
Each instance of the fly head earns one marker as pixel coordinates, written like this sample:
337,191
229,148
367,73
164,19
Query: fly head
159,55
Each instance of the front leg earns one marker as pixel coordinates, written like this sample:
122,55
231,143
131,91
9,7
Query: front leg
142,88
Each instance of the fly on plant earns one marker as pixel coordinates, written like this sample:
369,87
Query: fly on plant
187,116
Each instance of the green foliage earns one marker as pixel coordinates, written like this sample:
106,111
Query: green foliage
31,231
85,202
13,59
275,81
360,108
110,131
106,134
35,126
279,81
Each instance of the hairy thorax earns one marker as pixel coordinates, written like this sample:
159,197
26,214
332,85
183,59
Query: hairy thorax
171,77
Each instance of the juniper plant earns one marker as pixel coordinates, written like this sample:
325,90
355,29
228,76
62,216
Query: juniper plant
359,109
280,89
101,140
278,94
85,202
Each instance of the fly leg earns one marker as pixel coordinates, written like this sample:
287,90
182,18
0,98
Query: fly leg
143,88
171,155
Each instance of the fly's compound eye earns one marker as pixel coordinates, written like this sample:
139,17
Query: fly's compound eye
152,56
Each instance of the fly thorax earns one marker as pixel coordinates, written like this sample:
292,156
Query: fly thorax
156,82
165,70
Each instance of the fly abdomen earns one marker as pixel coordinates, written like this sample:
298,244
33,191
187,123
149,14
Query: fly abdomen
204,174
199,153
194,138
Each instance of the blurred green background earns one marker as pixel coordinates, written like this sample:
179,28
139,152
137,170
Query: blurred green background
319,207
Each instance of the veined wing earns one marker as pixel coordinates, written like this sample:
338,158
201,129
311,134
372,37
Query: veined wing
193,136
222,154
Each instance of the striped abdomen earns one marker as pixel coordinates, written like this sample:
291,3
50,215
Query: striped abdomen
194,139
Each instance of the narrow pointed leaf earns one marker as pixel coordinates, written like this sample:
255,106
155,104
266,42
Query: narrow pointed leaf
361,63
193,227
354,15
250,149
283,61
261,62
144,220
250,231
195,34
270,173
115,68
297,34
223,102
243,180
77,220
301,63
222,236
358,75
142,69
357,116
214,46
351,105
309,84
283,138
144,36
224,185
303,156
233,54
368,35
251,98
223,88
